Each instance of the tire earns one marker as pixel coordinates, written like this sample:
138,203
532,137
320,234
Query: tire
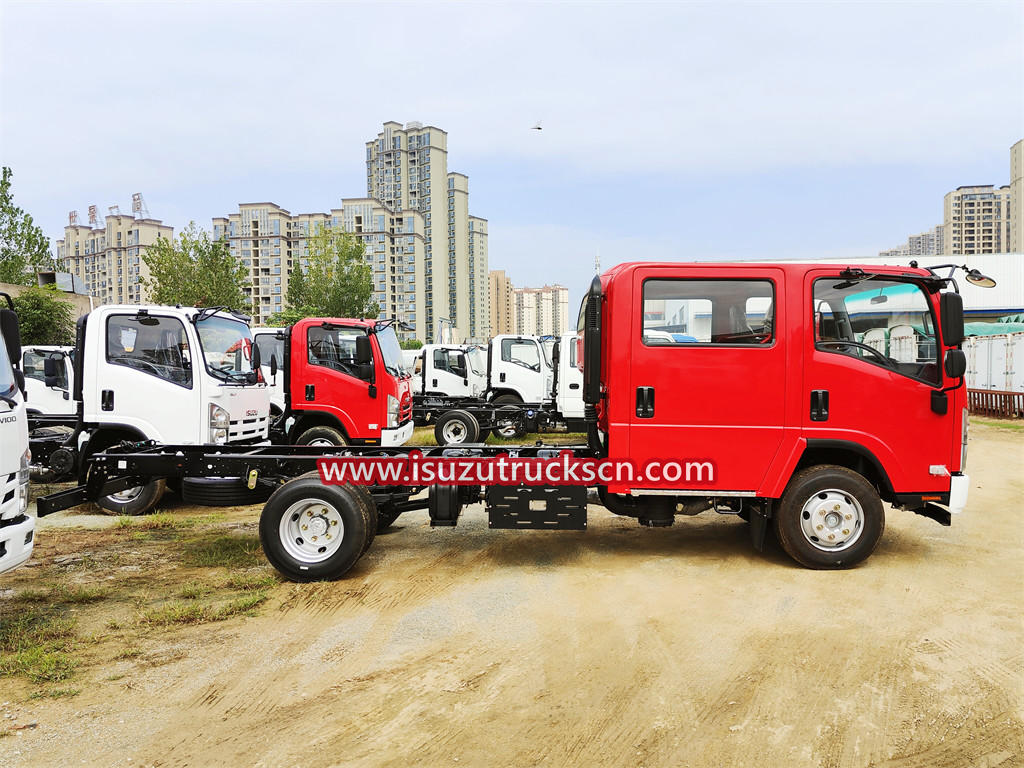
322,436
221,492
370,510
829,517
134,501
509,434
457,427
333,507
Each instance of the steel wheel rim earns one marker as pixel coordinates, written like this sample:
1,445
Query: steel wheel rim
128,495
832,520
311,530
454,432
322,442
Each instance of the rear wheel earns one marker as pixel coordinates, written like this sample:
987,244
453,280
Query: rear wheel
512,431
457,427
322,436
829,517
311,531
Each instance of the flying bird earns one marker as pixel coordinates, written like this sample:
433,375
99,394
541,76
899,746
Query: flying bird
537,127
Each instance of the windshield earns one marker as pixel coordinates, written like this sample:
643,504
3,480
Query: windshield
7,385
477,361
227,347
391,351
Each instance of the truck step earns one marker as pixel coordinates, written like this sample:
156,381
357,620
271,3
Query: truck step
537,507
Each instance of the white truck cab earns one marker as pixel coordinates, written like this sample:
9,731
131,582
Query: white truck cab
520,370
17,527
48,394
457,371
568,387
271,360
174,375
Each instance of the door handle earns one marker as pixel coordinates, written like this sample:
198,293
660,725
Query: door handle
645,402
107,400
310,392
434,385
574,386
819,405
501,377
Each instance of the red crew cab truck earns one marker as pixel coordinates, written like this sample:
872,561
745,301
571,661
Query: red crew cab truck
797,395
344,384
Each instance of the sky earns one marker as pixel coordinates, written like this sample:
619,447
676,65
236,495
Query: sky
671,131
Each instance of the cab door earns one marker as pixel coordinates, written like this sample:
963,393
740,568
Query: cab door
708,373
448,373
330,381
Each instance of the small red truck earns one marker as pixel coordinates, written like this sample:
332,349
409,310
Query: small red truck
344,384
796,396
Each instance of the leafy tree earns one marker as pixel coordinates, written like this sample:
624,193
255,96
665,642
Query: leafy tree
43,318
410,343
195,271
337,282
23,246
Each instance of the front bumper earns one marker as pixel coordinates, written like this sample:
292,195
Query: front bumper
958,487
16,542
390,438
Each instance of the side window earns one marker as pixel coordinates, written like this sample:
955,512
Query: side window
881,321
680,312
522,352
157,346
572,354
334,348
269,345
418,366
440,360
32,365
457,363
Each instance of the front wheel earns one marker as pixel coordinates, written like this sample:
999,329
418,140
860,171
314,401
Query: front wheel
312,532
322,437
457,427
829,517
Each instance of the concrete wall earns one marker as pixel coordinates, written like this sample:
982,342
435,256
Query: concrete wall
78,301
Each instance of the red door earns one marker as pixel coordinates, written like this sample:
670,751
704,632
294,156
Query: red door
871,348
708,372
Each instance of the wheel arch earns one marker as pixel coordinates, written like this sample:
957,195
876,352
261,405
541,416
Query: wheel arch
853,456
310,419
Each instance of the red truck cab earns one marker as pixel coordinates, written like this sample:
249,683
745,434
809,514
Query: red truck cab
802,393
345,384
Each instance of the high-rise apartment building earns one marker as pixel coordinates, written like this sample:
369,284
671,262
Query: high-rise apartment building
503,305
542,311
925,244
479,285
271,242
976,219
1017,197
108,259
407,170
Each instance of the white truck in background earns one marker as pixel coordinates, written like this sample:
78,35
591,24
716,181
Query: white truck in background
449,369
49,372
173,375
271,347
17,527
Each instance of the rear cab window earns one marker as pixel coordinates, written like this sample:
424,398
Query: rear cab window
685,312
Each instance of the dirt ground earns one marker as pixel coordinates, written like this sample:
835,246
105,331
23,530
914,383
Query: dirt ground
617,646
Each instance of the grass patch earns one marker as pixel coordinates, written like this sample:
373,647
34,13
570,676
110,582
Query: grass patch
196,613
35,645
223,551
194,590
128,652
248,582
77,593
165,521
55,693
1015,425
34,596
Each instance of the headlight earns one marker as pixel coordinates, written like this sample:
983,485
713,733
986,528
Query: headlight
963,448
220,422
23,472
392,411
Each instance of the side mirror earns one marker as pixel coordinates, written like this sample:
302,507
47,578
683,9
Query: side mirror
51,375
19,379
955,363
951,307
364,352
365,371
9,328
255,357
273,365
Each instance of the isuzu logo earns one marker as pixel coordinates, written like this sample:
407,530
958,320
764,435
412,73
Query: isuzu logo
251,413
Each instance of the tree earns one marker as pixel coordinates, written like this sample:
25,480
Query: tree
410,344
195,271
23,246
337,282
43,318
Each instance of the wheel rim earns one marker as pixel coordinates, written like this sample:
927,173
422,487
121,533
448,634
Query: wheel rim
509,430
832,520
322,442
311,530
128,495
454,432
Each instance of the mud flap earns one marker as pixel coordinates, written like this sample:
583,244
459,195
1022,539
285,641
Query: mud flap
759,516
